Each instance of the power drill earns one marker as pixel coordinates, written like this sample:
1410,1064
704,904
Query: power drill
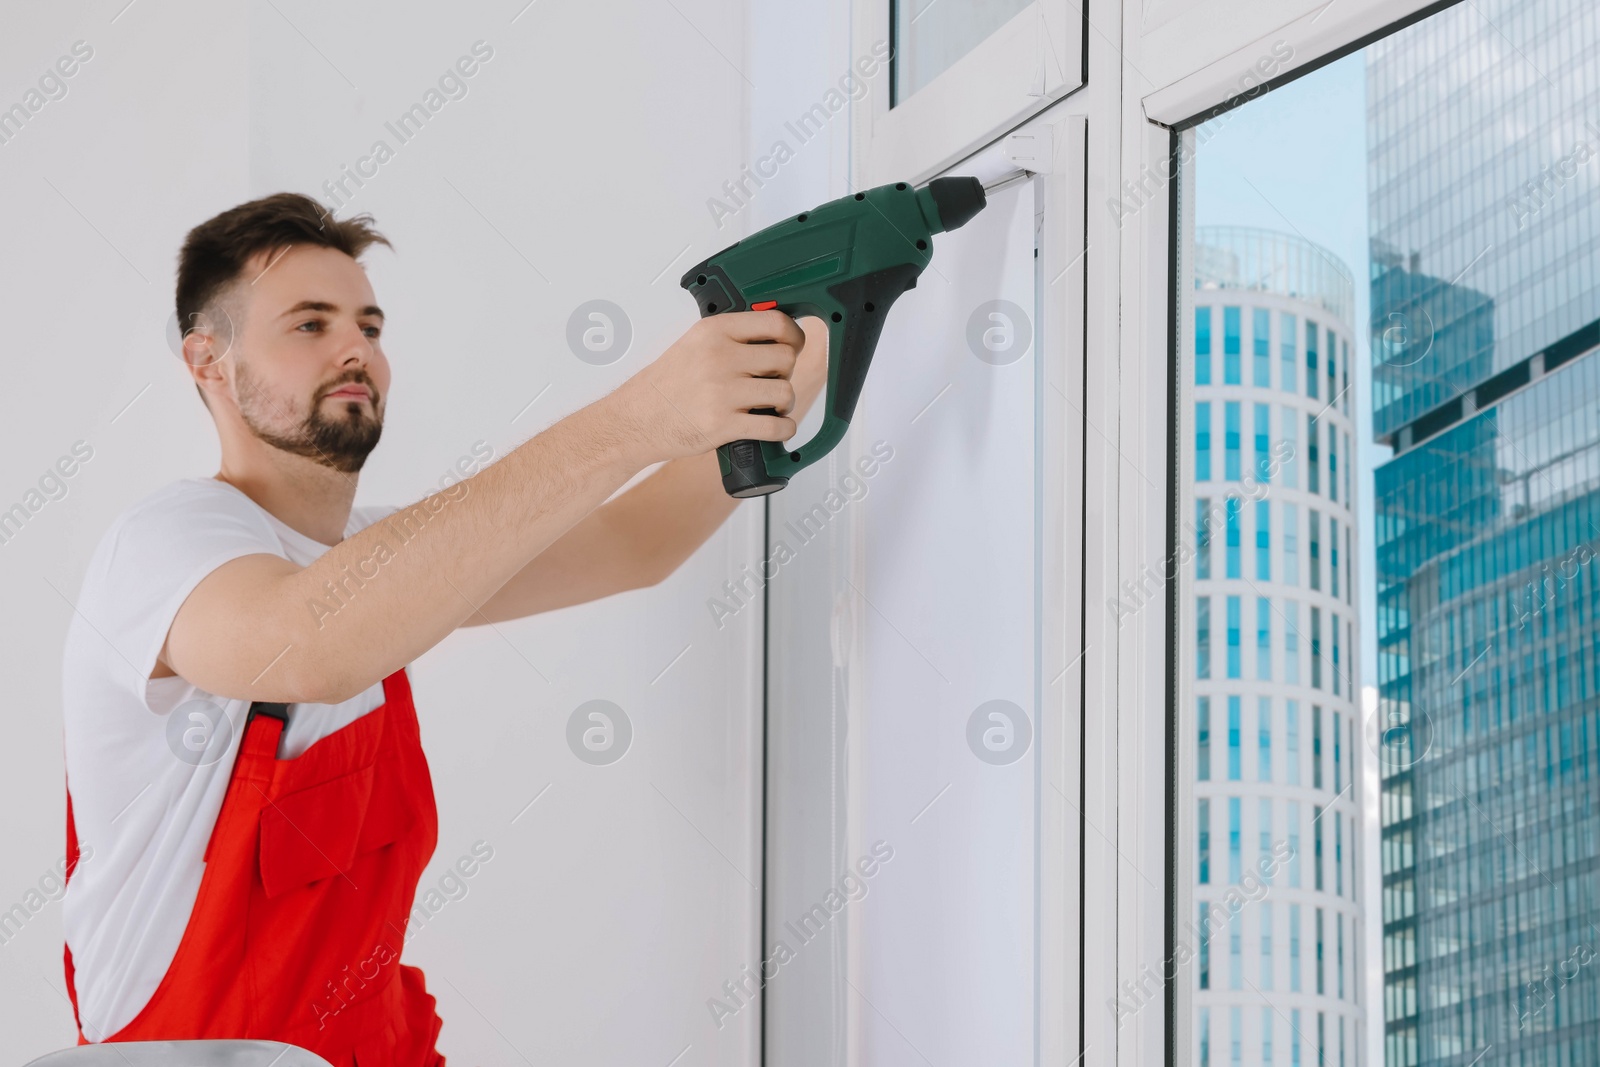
845,262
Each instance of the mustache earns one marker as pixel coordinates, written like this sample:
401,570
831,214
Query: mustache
358,377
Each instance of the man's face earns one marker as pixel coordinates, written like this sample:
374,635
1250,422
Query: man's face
308,371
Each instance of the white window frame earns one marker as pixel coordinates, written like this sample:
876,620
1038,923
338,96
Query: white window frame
1018,71
1153,67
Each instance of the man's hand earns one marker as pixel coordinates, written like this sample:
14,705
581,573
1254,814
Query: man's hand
698,394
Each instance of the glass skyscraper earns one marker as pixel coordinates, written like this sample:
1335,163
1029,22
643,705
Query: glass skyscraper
1279,758
1484,212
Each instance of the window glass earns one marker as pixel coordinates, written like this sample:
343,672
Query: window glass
1230,346
930,36
1261,347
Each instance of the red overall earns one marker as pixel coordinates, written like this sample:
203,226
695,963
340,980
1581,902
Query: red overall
309,876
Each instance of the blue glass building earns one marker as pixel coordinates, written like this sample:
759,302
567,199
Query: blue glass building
1484,210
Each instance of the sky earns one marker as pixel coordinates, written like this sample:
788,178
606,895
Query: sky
1294,160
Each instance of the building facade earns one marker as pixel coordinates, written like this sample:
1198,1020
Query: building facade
1279,751
1484,209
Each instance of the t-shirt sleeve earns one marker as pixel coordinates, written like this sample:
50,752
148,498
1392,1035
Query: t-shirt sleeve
151,560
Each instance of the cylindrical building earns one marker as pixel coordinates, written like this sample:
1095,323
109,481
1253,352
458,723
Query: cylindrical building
1276,694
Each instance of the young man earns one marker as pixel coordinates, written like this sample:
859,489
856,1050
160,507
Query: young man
249,808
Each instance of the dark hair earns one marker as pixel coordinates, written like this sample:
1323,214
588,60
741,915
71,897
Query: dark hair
215,252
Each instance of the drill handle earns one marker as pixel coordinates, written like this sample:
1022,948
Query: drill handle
854,310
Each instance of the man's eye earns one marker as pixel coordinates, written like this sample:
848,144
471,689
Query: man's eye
313,322
375,331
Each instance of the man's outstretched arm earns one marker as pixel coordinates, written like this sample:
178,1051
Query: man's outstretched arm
251,629
644,534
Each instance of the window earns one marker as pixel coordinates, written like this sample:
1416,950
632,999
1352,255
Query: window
1264,754
1467,506
1230,346
1321,984
1333,393
1202,537
1333,632
1263,420
1315,561
1236,1041
1291,544
1294,1030
1333,556
1291,642
1202,346
1261,346
1264,818
1316,745
1289,419
1333,462
1294,950
1344,385
1265,910
1316,849
1337,773
1231,535
1205,1013
1230,440
1205,945
1294,844
1202,637
1202,441
1233,739
1203,740
1204,858
1286,338
1263,638
1233,638
1266,1018
1291,739
1349,560
1235,849
1263,541
1338,863
1236,962
1349,461
1313,474
1311,359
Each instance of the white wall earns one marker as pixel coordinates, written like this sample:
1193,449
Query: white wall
584,151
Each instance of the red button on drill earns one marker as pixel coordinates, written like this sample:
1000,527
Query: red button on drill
764,305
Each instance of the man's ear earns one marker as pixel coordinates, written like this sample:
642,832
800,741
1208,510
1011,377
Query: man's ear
207,341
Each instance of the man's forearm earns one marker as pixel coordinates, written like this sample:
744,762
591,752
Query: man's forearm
646,533
674,511
378,599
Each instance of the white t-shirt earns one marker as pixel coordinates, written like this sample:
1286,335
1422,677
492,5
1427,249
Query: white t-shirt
148,759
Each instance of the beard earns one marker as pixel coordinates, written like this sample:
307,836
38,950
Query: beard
340,441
